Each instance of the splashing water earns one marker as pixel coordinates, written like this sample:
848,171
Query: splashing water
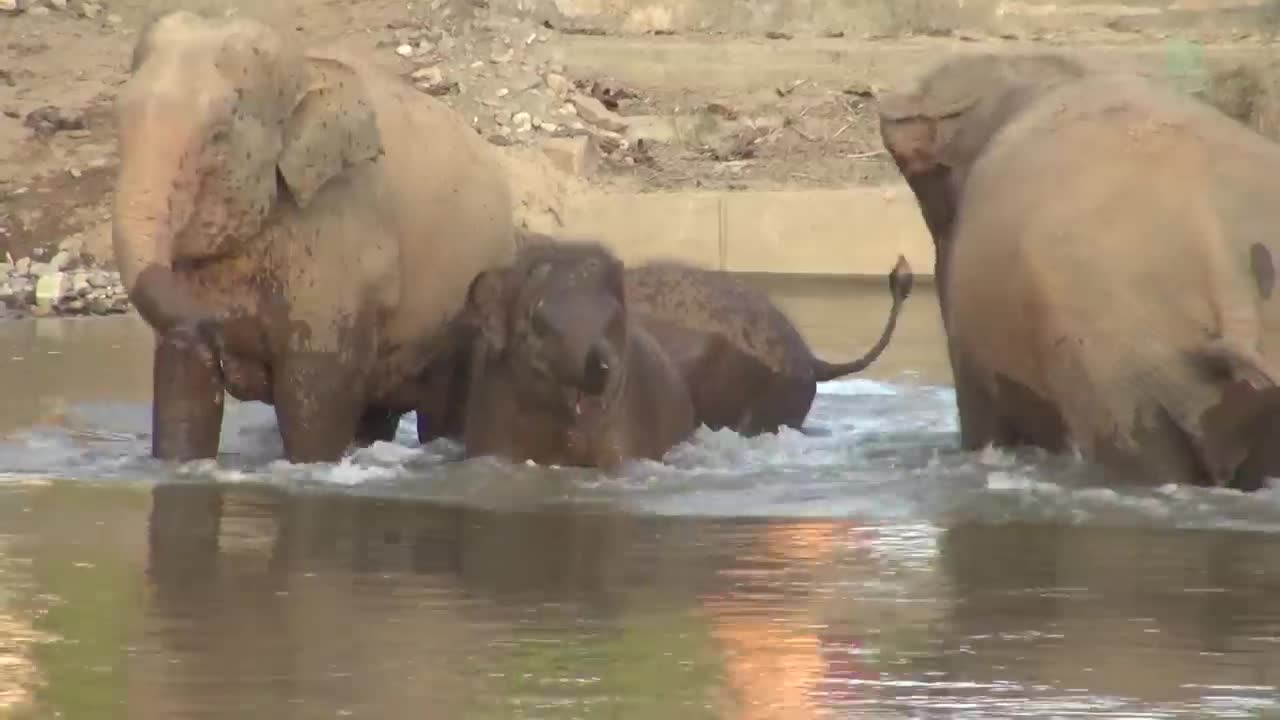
883,451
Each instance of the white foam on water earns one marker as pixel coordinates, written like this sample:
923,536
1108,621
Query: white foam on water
876,450
857,386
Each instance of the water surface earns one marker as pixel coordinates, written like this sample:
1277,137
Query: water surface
870,570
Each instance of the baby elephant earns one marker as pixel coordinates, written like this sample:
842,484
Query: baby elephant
746,365
559,373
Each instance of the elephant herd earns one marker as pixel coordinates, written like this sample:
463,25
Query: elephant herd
304,230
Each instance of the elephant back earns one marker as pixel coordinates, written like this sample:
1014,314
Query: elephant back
715,303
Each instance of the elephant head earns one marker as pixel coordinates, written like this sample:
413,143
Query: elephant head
556,318
936,131
218,123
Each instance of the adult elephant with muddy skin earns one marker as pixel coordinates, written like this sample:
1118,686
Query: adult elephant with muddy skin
1105,265
298,228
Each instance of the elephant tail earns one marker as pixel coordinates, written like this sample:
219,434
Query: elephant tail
900,281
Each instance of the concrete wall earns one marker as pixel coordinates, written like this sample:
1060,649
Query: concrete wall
813,232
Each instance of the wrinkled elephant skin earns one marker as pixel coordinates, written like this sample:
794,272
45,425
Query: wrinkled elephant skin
746,365
560,374
298,228
1104,265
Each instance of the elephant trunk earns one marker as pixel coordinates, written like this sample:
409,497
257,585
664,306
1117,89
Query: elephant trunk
587,355
586,364
597,363
156,190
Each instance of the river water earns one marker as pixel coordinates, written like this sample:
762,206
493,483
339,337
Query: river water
870,570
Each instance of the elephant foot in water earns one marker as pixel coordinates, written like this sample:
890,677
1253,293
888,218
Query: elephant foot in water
318,403
1240,436
186,420
319,406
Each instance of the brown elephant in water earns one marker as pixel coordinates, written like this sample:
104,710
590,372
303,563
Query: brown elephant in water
560,373
1104,265
746,365
298,228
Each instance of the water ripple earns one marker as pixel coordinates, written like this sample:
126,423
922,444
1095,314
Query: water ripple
883,451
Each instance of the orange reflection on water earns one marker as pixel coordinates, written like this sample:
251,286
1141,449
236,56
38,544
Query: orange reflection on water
773,652
19,676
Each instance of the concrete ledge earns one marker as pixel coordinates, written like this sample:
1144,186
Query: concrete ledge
856,231
646,226
834,232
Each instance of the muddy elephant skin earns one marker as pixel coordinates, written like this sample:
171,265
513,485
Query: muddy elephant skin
560,374
298,228
744,363
1104,265
746,366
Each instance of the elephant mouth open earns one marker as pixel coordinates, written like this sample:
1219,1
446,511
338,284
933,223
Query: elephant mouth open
590,403
586,407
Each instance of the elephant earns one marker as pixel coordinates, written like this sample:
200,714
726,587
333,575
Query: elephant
723,336
560,373
442,392
745,364
298,228
1103,264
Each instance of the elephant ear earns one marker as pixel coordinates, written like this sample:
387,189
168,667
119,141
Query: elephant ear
486,307
332,127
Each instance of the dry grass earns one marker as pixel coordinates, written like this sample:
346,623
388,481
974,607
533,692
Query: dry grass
1250,93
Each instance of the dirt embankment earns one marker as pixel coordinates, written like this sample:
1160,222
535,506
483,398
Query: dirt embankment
513,76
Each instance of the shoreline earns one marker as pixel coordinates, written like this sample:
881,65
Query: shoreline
64,286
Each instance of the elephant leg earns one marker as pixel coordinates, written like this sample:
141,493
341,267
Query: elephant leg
1026,418
783,402
433,404
1238,436
1263,458
433,425
980,422
443,397
974,406
1002,413
1156,452
319,401
186,417
716,373
376,424
427,427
